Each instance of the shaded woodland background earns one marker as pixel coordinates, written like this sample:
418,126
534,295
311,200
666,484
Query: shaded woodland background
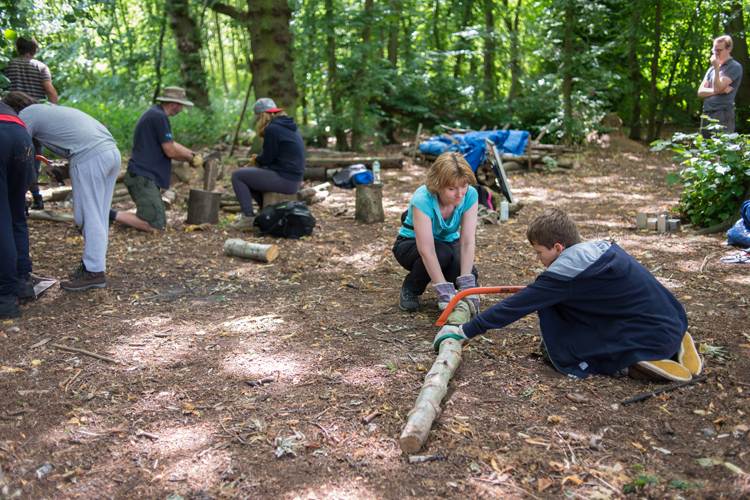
352,71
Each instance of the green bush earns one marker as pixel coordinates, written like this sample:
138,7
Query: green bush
715,177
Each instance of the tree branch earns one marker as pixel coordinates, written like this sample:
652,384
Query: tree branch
230,11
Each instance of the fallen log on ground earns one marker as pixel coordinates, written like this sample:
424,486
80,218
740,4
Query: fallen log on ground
248,250
427,407
50,215
385,162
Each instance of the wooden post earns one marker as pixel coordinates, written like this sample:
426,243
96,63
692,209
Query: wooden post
416,142
247,250
203,206
209,175
368,205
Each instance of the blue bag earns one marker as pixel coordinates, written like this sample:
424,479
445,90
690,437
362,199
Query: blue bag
739,234
352,175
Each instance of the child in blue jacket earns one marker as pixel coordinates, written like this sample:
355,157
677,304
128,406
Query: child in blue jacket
600,310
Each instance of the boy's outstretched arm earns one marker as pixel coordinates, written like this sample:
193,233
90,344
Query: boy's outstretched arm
541,294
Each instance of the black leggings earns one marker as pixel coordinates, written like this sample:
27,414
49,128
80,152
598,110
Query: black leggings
250,182
407,254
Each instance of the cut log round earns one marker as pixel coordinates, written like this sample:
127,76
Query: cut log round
272,198
368,205
203,207
247,250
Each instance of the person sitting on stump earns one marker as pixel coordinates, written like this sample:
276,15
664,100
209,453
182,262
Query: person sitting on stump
600,310
429,244
16,173
279,168
94,164
150,164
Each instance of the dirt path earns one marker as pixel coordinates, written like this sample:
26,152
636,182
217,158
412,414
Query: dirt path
190,327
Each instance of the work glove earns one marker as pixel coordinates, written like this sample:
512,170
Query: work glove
446,292
252,162
464,283
197,161
449,332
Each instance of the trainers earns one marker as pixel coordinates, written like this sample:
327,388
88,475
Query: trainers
409,300
38,203
9,307
84,280
688,356
25,288
243,222
666,369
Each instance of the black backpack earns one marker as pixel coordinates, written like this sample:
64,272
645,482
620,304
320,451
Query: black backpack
290,219
352,175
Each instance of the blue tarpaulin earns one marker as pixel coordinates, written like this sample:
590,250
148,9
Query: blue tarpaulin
472,146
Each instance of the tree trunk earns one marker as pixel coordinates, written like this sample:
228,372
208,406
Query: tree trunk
635,76
221,53
462,44
489,51
511,25
160,55
568,71
393,33
736,29
436,36
267,22
673,71
189,44
360,77
235,62
333,83
654,96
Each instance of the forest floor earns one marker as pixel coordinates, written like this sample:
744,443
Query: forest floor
189,327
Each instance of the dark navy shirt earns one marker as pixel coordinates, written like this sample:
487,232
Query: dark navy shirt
283,149
148,159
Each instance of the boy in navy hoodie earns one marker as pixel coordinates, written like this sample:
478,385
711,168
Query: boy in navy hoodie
600,310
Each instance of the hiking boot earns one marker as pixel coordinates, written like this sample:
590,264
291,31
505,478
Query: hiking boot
84,280
243,222
666,369
25,288
409,300
688,356
38,203
9,307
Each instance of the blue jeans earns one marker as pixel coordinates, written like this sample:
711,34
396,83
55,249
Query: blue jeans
16,174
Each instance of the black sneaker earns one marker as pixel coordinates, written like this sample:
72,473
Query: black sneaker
25,288
38,203
84,280
409,300
9,307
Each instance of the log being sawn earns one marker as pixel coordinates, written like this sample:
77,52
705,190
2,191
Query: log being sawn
427,407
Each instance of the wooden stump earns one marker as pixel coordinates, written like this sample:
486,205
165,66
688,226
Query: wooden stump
368,207
272,198
203,206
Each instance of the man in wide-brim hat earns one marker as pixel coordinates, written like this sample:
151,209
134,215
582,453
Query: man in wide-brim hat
150,164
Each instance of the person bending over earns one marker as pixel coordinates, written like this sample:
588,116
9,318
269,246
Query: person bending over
94,164
429,244
279,168
600,310
16,173
150,165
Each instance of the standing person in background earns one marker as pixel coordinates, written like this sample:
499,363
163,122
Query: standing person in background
33,78
150,164
94,164
719,87
429,244
279,168
16,172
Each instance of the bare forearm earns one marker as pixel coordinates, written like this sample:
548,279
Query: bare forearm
178,152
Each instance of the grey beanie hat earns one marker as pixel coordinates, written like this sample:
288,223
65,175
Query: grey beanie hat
265,105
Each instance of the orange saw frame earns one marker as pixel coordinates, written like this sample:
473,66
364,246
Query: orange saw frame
474,291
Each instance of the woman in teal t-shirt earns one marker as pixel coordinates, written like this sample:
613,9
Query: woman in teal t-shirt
429,244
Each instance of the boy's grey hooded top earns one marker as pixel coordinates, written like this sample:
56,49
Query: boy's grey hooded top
599,310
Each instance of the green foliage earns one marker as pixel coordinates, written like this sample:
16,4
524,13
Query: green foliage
192,127
715,177
679,484
640,481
